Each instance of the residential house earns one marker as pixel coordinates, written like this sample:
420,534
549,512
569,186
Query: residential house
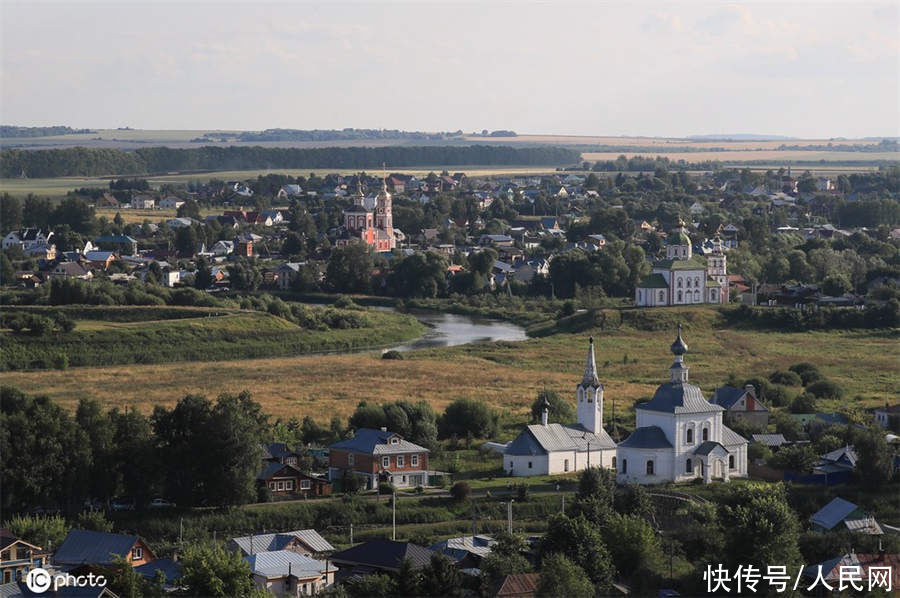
143,202
465,552
496,240
42,251
888,417
741,405
379,556
288,191
170,570
83,547
19,589
839,511
286,573
307,542
100,259
26,238
71,270
221,248
18,557
171,202
861,568
122,243
380,455
283,479
180,222
286,274
773,441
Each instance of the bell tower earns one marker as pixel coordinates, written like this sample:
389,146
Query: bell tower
590,395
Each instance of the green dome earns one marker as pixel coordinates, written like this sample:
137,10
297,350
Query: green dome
678,238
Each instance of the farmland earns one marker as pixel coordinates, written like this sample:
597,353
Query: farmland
753,155
507,376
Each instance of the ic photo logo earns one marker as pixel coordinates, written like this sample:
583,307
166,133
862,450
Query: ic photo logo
40,580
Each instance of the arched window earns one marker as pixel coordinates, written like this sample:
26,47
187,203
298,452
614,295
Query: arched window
566,465
697,296
689,437
730,461
649,467
713,296
705,434
679,283
662,296
613,463
624,465
688,466
688,283
679,296
697,281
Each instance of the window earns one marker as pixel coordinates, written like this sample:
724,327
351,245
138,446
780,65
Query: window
350,459
730,461
679,297
395,440
688,285
688,466
697,296
624,465
137,553
400,460
697,282
271,485
404,479
713,295
414,461
385,461
281,485
679,283
649,467
705,434
305,484
291,460
510,465
689,438
566,465
662,296
529,465
289,485
614,463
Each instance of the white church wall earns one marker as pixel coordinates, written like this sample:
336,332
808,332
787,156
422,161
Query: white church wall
526,465
635,461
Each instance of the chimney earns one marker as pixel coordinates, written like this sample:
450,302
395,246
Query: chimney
383,429
544,415
750,388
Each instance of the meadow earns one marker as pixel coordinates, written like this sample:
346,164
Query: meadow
782,157
505,375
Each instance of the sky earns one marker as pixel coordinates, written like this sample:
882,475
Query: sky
808,69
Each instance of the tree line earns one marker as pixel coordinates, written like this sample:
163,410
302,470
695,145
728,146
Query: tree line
82,161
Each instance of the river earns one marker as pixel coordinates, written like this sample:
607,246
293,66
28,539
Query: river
449,330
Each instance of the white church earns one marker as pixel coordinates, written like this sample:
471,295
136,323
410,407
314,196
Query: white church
679,436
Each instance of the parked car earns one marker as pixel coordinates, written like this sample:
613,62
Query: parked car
122,504
161,503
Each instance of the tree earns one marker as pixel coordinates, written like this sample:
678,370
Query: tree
376,585
560,576
804,403
46,531
186,241
440,577
467,417
233,436
419,275
560,410
243,274
189,209
874,464
506,558
7,272
349,268
460,491
836,285
10,213
210,570
580,540
100,432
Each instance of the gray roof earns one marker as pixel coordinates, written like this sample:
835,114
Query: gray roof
833,513
384,554
647,437
280,563
678,397
731,438
842,455
277,541
539,440
708,447
770,439
377,442
726,396
457,548
170,568
18,589
83,547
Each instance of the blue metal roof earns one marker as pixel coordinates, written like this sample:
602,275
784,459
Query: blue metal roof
83,547
646,437
833,513
676,397
727,396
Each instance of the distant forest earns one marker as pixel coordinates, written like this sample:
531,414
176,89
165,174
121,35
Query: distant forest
324,135
82,161
14,131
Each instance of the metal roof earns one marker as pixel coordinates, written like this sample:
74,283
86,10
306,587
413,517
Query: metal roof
277,541
678,397
833,513
731,438
647,437
865,525
83,547
456,547
377,442
281,563
170,568
537,439
708,447
653,281
726,396
384,554
770,439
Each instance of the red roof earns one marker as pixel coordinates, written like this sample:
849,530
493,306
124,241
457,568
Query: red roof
519,585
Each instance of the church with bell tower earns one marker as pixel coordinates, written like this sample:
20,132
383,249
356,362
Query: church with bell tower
373,225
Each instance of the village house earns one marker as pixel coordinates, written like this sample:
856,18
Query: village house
83,547
100,259
379,456
307,542
379,556
888,417
843,514
283,479
18,557
71,270
143,202
741,405
286,573
26,238
171,202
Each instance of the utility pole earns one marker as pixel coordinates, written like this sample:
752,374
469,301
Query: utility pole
563,504
351,534
509,516
394,517
181,533
474,523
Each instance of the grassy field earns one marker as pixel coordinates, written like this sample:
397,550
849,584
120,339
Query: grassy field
663,141
216,334
505,375
749,155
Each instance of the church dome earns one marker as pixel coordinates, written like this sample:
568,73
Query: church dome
679,347
678,238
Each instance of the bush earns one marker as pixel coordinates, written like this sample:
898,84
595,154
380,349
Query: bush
460,491
468,418
757,450
808,372
776,396
788,378
804,403
825,389
392,354
386,488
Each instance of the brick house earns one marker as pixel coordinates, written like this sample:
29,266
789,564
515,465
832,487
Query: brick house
380,456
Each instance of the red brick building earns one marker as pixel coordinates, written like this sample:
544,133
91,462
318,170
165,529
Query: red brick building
380,456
